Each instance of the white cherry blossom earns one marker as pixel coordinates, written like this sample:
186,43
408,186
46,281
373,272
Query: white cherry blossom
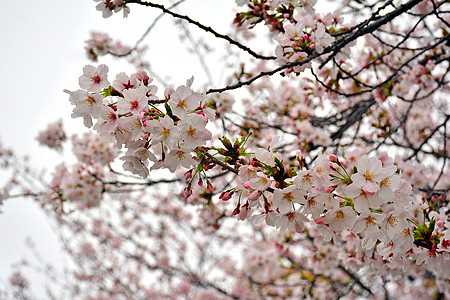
193,132
134,101
285,198
177,157
182,100
162,130
87,105
340,218
94,79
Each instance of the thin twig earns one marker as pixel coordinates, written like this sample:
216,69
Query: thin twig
203,27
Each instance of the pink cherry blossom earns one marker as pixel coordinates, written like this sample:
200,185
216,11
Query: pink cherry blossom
94,79
340,218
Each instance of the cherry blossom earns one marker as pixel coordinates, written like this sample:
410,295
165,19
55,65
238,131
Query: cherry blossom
94,79
336,170
340,218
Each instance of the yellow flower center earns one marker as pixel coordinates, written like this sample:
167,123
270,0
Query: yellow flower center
307,178
288,196
182,103
369,175
338,215
392,220
165,132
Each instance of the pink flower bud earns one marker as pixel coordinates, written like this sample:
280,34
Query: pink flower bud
299,155
168,92
142,75
333,158
236,211
299,228
188,175
225,196
209,187
243,213
319,220
331,189
187,191
246,185
254,195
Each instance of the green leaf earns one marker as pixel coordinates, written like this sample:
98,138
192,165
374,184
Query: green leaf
106,92
279,163
168,108
432,225
417,236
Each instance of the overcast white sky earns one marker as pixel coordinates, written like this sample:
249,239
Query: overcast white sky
42,53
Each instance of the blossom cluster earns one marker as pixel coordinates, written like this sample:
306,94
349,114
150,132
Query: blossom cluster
368,198
362,224
80,185
101,43
91,148
307,34
107,7
295,25
53,137
126,113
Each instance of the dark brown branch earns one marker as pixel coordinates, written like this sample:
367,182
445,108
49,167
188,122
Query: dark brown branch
372,18
358,111
335,48
355,278
221,163
405,37
267,73
146,183
341,43
146,32
203,27
428,138
445,158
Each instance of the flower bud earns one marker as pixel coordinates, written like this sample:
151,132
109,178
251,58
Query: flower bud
236,211
319,220
187,191
188,175
333,158
142,76
254,195
168,92
243,213
209,187
225,196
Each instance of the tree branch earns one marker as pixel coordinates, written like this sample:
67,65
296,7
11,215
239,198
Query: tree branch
203,27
